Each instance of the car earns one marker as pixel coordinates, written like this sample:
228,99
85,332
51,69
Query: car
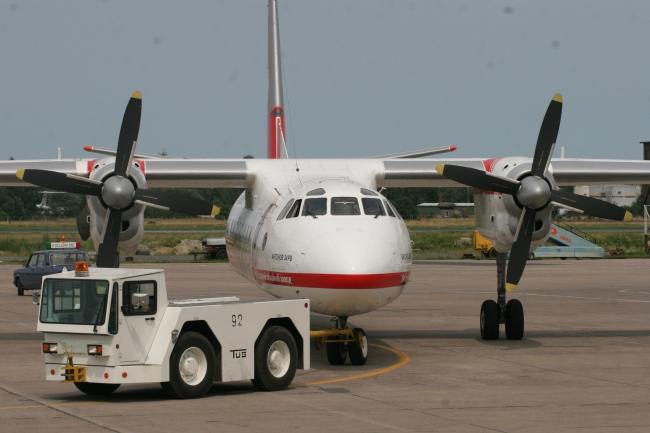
61,256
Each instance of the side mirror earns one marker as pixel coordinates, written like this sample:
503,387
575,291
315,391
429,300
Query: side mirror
36,297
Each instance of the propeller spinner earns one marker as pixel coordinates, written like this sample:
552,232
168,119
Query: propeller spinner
533,192
117,192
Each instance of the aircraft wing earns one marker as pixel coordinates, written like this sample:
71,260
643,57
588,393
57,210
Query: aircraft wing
160,173
422,172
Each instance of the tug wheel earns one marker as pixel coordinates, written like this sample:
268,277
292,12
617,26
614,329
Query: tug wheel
276,356
191,366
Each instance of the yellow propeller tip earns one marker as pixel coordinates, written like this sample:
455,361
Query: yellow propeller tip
216,210
136,95
628,216
440,168
558,98
20,173
510,287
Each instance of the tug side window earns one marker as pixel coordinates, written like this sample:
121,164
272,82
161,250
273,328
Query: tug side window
139,298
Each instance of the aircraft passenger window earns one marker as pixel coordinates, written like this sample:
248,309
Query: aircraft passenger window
317,191
388,209
345,206
285,209
295,209
365,191
372,206
314,207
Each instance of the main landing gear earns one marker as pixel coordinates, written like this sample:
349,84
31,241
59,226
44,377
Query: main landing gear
342,342
496,313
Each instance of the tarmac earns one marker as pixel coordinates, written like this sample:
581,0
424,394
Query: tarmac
583,366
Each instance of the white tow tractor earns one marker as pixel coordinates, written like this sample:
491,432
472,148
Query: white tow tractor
105,327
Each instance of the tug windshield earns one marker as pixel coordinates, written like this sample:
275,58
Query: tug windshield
74,302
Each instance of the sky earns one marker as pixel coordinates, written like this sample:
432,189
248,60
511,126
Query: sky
362,77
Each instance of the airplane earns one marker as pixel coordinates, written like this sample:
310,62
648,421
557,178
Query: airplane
320,228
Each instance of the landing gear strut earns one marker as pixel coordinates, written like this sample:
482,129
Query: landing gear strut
342,341
510,313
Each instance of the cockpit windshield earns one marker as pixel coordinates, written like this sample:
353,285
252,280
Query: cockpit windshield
345,206
314,207
373,206
74,302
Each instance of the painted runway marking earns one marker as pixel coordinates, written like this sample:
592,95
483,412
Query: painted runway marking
403,359
587,298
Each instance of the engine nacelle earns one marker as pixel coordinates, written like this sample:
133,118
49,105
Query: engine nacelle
497,215
132,217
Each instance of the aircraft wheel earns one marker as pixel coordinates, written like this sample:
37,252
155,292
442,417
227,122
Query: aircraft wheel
514,320
96,388
191,366
489,320
276,356
359,348
336,353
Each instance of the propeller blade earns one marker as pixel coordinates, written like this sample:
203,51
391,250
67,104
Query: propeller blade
478,178
590,206
128,134
175,202
520,249
107,254
547,136
60,181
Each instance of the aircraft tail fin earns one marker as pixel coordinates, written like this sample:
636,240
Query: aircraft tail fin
276,145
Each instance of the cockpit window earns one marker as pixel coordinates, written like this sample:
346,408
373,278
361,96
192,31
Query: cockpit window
295,209
365,191
372,206
317,191
285,209
314,207
345,206
389,209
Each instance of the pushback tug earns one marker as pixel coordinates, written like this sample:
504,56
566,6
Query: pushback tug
104,327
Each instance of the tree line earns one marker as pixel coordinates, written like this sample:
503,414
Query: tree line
21,203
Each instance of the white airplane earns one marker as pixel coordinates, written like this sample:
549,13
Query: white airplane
319,228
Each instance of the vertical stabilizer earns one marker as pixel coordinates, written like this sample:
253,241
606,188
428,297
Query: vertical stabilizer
276,132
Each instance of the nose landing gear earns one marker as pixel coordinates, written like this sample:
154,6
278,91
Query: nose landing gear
341,342
510,313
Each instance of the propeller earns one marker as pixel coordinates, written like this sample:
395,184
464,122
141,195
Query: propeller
118,192
533,192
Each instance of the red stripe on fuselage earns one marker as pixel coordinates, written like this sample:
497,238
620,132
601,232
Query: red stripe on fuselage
332,281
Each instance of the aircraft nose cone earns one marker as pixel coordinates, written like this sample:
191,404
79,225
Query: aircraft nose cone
353,252
117,192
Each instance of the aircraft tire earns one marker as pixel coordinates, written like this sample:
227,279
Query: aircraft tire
514,320
276,357
489,320
358,350
336,353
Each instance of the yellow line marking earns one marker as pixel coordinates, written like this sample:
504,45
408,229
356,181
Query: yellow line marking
403,360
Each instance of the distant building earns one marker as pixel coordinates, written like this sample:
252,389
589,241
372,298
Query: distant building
620,195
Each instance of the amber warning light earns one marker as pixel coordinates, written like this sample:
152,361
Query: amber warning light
81,269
